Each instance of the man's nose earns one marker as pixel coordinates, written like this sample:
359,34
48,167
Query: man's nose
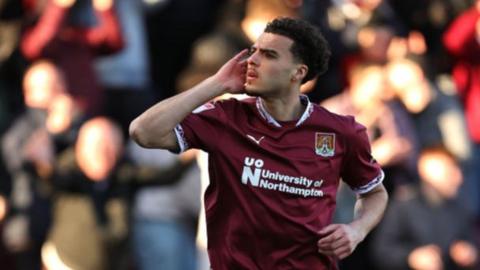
253,59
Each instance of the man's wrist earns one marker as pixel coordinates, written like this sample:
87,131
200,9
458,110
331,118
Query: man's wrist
216,87
360,230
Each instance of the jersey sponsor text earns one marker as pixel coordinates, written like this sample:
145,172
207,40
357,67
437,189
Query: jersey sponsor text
254,173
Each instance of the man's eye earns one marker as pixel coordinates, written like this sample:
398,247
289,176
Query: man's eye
251,51
270,55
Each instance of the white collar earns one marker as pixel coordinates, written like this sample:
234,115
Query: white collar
269,118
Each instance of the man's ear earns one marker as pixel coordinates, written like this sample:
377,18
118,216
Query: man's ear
300,73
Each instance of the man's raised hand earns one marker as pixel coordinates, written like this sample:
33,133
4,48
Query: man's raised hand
232,74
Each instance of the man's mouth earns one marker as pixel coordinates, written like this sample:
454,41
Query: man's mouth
251,75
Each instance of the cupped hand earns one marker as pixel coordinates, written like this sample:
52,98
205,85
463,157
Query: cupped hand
232,74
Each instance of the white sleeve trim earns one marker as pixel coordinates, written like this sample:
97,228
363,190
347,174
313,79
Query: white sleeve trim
182,141
371,185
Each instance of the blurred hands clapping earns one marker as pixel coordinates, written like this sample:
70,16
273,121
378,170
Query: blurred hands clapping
64,3
102,5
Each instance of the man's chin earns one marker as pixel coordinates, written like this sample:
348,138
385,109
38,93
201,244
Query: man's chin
253,94
249,90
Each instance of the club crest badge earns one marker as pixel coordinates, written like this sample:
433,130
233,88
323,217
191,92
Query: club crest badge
325,144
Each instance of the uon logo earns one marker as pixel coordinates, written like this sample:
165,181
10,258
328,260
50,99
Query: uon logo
325,144
258,176
250,174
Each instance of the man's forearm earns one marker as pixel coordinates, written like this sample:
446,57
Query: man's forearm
369,210
152,127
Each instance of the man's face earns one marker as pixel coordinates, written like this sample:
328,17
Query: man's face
271,66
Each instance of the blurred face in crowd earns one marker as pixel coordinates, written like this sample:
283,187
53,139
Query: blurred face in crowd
367,85
259,13
98,148
374,43
441,172
60,113
271,67
369,5
41,83
406,78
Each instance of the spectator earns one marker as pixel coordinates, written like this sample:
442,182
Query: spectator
426,228
438,119
125,76
72,45
389,128
430,18
89,207
342,21
27,151
165,214
392,137
462,40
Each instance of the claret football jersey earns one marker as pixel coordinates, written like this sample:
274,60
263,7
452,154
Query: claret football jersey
273,184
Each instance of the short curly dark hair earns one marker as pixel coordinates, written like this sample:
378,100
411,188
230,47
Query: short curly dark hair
309,46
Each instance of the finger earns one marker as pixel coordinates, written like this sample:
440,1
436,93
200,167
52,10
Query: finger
327,241
343,255
331,238
243,63
328,229
342,252
339,243
325,251
334,247
239,57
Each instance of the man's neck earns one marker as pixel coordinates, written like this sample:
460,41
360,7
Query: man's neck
286,108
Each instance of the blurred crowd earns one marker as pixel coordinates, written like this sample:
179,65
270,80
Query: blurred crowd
77,193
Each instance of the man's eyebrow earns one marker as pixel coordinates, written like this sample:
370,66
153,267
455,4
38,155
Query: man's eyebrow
265,50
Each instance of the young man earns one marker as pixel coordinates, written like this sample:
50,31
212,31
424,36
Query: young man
275,159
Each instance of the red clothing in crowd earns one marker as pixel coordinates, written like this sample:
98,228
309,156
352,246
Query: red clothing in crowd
73,49
273,184
462,42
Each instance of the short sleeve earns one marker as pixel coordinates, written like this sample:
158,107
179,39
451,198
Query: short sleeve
202,129
360,170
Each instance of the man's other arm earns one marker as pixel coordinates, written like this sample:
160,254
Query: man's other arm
340,240
155,127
